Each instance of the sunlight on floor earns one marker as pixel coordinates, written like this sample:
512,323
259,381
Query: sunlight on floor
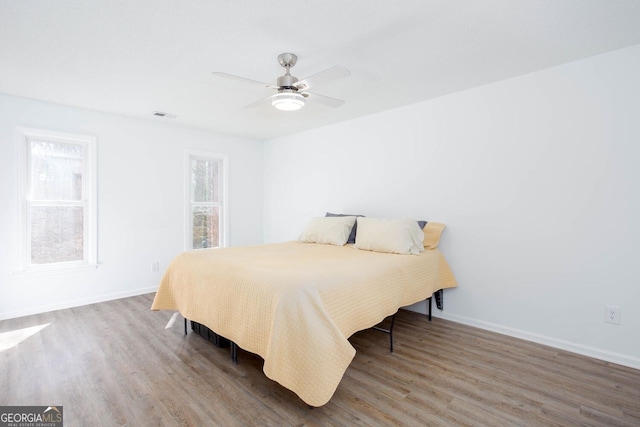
13,338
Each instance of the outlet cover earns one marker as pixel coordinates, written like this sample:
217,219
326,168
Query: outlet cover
155,266
612,314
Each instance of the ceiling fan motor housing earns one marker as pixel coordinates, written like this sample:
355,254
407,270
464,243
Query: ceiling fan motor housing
287,82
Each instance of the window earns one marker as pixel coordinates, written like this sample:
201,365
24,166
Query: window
206,204
57,200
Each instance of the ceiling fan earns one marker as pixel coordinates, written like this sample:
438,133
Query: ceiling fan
293,93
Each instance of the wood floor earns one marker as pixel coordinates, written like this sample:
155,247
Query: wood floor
113,363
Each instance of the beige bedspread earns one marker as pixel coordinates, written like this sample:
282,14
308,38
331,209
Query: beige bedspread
295,304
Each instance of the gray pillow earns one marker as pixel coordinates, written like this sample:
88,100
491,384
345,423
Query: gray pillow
352,236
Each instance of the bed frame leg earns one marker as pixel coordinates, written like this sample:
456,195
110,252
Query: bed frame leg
429,307
185,326
388,331
439,299
393,319
234,352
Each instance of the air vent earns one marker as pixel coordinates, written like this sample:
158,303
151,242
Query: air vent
165,115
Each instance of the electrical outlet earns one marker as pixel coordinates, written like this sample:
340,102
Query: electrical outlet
155,266
612,314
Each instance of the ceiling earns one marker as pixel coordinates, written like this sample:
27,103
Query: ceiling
135,57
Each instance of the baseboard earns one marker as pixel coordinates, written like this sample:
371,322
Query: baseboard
620,359
76,303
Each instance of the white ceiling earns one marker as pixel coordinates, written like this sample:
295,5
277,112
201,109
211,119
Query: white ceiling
132,57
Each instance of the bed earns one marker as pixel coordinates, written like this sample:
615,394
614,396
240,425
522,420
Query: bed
296,304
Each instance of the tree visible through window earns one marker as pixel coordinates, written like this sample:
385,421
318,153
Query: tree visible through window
205,210
56,208
58,191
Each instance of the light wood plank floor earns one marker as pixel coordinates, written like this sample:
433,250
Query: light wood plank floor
113,363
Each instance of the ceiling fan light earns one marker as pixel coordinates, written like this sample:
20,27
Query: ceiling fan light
288,101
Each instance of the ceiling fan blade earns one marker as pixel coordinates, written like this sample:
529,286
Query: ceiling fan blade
325,76
259,102
322,99
241,79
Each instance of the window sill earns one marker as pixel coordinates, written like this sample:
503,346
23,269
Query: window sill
49,271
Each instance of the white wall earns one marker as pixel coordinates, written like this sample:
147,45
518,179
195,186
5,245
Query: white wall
537,178
140,202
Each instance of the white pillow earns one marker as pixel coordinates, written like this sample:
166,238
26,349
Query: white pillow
398,236
328,230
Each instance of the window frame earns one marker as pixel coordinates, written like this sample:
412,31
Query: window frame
24,137
223,190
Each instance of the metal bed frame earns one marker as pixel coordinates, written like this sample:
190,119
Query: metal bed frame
438,296
223,342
